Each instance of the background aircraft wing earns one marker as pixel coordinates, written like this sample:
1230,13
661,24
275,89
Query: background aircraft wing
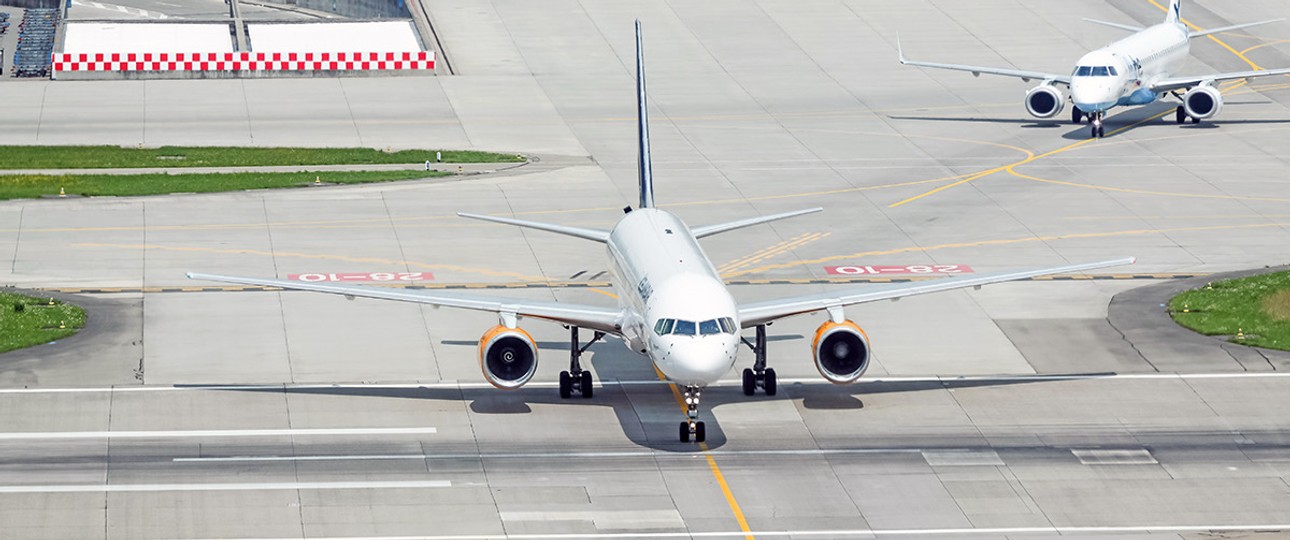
756,313
1177,83
978,70
604,319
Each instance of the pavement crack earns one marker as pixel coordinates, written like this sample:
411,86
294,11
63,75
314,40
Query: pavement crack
1131,344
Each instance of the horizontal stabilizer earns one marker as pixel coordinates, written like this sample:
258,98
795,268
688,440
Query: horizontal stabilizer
1230,28
709,230
1127,27
578,232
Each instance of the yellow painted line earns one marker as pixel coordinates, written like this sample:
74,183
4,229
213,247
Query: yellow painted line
1262,45
712,464
317,256
1003,242
742,260
780,248
1149,192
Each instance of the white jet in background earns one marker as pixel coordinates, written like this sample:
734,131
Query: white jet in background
1136,70
673,306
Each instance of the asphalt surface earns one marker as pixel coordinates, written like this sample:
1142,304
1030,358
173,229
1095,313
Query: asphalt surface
1016,411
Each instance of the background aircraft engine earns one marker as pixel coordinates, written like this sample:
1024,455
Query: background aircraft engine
1045,101
507,356
841,351
1202,102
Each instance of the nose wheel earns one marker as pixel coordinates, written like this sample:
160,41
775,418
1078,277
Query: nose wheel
692,428
577,380
1098,130
759,376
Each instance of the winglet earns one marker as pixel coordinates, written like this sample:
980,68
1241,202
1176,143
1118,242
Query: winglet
645,170
900,51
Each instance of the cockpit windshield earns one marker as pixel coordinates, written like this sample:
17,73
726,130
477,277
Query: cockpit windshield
1096,71
679,327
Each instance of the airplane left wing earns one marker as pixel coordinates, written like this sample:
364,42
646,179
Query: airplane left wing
978,70
608,320
758,313
1177,83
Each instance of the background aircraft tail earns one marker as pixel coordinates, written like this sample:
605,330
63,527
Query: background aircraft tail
1174,15
645,173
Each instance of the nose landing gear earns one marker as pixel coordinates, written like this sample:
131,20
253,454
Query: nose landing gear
1098,131
759,376
692,427
576,379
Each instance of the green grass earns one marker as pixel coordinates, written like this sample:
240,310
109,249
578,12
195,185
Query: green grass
36,321
116,157
33,186
1258,307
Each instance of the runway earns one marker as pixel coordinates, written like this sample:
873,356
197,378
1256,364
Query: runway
1020,410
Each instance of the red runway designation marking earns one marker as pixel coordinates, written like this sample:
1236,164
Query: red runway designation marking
364,277
907,269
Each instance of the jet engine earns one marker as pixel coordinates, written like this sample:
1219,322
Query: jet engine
841,351
507,356
1202,102
1045,101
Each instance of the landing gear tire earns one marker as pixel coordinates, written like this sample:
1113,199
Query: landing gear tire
585,384
1077,116
750,382
1180,115
566,385
1195,120
577,378
759,375
769,382
695,431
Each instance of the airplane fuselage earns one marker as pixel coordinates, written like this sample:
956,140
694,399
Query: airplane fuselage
677,309
1122,73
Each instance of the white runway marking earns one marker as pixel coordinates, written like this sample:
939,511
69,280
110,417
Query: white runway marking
122,488
46,435
1135,456
653,382
880,533
571,455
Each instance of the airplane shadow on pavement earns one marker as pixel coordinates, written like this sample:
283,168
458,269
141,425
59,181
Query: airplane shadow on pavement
646,408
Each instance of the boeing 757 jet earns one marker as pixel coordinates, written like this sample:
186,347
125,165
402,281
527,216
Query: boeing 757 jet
672,306
1136,70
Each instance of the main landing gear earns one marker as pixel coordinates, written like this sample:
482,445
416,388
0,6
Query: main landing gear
1180,116
1098,131
759,376
576,379
1077,116
692,427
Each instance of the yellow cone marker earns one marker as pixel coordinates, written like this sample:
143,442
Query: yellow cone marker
317,181
62,325
1240,335
62,192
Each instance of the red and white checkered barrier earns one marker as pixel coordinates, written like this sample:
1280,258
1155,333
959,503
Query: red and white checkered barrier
243,61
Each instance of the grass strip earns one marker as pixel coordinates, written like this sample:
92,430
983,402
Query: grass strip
116,157
17,186
1257,308
27,321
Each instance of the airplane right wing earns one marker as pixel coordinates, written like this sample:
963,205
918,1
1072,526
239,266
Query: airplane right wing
978,70
757,313
608,320
1178,83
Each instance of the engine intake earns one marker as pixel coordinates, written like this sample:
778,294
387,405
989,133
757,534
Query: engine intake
507,356
1045,101
841,351
1202,102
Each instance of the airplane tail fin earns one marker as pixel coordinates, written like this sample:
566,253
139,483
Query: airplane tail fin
644,171
1174,15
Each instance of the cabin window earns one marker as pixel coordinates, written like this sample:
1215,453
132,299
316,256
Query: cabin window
684,328
1083,71
664,326
1113,72
710,327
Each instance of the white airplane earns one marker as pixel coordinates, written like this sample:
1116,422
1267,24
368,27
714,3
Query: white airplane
672,307
1136,70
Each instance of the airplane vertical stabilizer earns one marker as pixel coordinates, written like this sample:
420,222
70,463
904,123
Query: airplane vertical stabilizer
644,171
1174,16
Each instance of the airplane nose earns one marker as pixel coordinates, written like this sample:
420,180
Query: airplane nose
1092,97
699,361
